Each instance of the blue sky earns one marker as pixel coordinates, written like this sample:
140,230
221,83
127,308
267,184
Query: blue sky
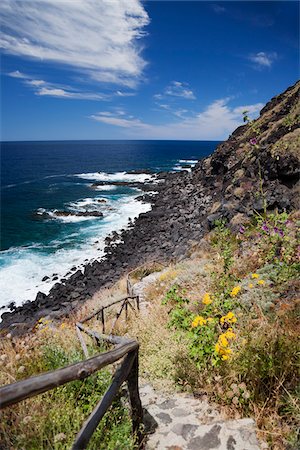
126,69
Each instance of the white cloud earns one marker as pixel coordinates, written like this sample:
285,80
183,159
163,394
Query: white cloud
218,8
43,88
177,89
17,74
97,38
216,122
62,93
262,59
119,121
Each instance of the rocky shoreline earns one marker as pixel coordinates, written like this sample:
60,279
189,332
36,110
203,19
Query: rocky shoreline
236,180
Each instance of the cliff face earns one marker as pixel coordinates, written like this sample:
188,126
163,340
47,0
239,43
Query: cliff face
257,168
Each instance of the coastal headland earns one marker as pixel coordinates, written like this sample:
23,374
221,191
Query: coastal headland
255,170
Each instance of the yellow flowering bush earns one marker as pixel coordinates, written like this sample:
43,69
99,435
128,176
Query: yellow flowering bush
254,275
235,291
207,300
261,282
199,321
229,318
222,346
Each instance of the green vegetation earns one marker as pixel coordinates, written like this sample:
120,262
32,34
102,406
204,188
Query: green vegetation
242,333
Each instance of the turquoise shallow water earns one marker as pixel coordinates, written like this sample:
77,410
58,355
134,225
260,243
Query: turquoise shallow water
50,176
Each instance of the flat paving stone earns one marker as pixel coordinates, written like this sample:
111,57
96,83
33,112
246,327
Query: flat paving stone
189,424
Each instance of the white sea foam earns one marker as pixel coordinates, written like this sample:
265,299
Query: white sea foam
117,176
188,161
25,267
180,168
73,218
106,187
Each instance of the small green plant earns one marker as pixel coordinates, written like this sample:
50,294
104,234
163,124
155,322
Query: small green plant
223,240
179,315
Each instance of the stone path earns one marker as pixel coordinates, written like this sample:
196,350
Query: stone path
140,287
186,423
182,422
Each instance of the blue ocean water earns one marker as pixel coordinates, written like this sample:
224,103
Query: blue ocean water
45,177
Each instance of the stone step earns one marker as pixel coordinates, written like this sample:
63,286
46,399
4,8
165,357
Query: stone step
187,423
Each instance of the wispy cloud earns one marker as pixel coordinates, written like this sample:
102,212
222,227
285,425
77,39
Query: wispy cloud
118,120
216,122
263,59
97,38
218,8
17,74
177,89
44,88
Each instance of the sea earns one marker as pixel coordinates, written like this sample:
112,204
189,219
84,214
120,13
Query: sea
39,246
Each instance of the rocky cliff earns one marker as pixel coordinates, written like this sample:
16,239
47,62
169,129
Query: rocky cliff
257,168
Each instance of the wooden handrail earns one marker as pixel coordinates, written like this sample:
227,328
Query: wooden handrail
15,392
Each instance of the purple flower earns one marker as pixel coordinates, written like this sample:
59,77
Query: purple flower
253,141
242,229
265,228
278,231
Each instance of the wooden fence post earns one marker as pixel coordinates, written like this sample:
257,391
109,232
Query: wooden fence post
135,402
103,321
88,428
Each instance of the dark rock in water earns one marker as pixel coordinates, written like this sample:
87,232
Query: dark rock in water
12,306
141,171
223,185
78,213
55,278
45,278
58,213
186,166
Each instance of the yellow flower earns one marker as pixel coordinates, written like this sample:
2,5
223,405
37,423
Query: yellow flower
230,334
222,349
255,275
223,340
235,291
206,299
198,321
210,320
260,282
229,318
250,285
